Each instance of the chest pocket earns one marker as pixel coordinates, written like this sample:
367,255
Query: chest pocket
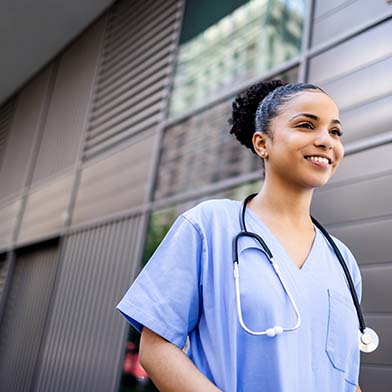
342,335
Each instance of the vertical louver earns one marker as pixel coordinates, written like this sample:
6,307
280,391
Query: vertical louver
6,114
134,73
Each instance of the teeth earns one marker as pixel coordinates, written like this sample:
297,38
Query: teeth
318,159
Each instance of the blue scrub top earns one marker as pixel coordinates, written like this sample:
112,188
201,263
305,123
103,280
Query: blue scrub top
187,289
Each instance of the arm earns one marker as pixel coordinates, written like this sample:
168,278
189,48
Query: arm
169,367
358,389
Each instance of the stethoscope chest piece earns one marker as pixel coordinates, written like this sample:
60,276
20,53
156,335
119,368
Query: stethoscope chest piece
368,341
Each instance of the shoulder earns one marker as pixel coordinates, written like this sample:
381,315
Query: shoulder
349,258
213,212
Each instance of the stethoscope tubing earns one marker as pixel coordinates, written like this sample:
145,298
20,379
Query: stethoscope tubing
368,337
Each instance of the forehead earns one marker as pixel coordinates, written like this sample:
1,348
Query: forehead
314,102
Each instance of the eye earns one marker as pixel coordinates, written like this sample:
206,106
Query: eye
336,132
307,125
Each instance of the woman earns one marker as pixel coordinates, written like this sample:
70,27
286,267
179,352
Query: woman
187,288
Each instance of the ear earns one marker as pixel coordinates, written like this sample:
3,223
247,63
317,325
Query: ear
259,140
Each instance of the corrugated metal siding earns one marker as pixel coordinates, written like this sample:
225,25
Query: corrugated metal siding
66,118
6,115
134,72
46,209
336,17
4,268
18,159
8,219
22,326
85,334
117,182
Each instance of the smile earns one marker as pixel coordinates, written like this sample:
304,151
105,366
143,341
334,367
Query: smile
316,158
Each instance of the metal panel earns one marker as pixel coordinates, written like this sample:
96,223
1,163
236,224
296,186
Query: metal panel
324,8
350,55
84,344
6,115
335,22
115,183
8,219
66,118
382,323
138,55
361,200
363,85
369,241
368,119
376,379
4,270
46,209
377,288
362,165
22,326
25,134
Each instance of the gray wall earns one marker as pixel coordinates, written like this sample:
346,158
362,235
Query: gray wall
87,153
77,152
357,204
26,310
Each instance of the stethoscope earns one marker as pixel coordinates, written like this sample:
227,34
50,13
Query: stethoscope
368,338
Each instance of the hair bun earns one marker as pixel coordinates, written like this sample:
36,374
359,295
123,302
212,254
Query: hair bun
244,109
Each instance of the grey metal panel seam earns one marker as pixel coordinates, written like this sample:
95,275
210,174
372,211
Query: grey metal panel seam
337,8
7,113
60,252
10,267
306,39
323,47
97,305
47,374
37,142
31,282
78,165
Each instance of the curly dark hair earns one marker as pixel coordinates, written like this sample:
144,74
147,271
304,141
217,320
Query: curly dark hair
254,108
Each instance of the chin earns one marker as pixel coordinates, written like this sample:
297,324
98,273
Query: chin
316,183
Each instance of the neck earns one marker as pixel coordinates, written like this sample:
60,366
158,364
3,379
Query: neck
289,205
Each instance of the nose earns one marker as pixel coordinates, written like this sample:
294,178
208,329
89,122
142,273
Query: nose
324,140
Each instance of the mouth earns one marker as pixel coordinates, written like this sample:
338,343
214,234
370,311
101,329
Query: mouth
319,159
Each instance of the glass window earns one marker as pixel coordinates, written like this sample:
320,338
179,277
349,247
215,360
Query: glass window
200,151
228,42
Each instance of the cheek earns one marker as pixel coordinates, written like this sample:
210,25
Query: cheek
340,152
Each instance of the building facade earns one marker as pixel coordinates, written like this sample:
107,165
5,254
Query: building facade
127,127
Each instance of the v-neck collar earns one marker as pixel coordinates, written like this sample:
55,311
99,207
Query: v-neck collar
308,260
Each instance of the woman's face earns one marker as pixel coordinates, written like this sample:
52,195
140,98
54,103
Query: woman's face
305,148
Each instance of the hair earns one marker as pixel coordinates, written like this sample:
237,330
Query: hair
254,108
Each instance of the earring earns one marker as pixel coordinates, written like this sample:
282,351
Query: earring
263,154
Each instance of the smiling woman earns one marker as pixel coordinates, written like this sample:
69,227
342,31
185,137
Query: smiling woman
308,325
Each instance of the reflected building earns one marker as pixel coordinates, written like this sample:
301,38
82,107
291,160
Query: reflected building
252,39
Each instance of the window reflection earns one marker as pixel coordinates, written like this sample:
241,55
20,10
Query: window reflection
253,38
200,151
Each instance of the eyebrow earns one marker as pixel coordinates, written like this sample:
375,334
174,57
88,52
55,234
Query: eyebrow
314,117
